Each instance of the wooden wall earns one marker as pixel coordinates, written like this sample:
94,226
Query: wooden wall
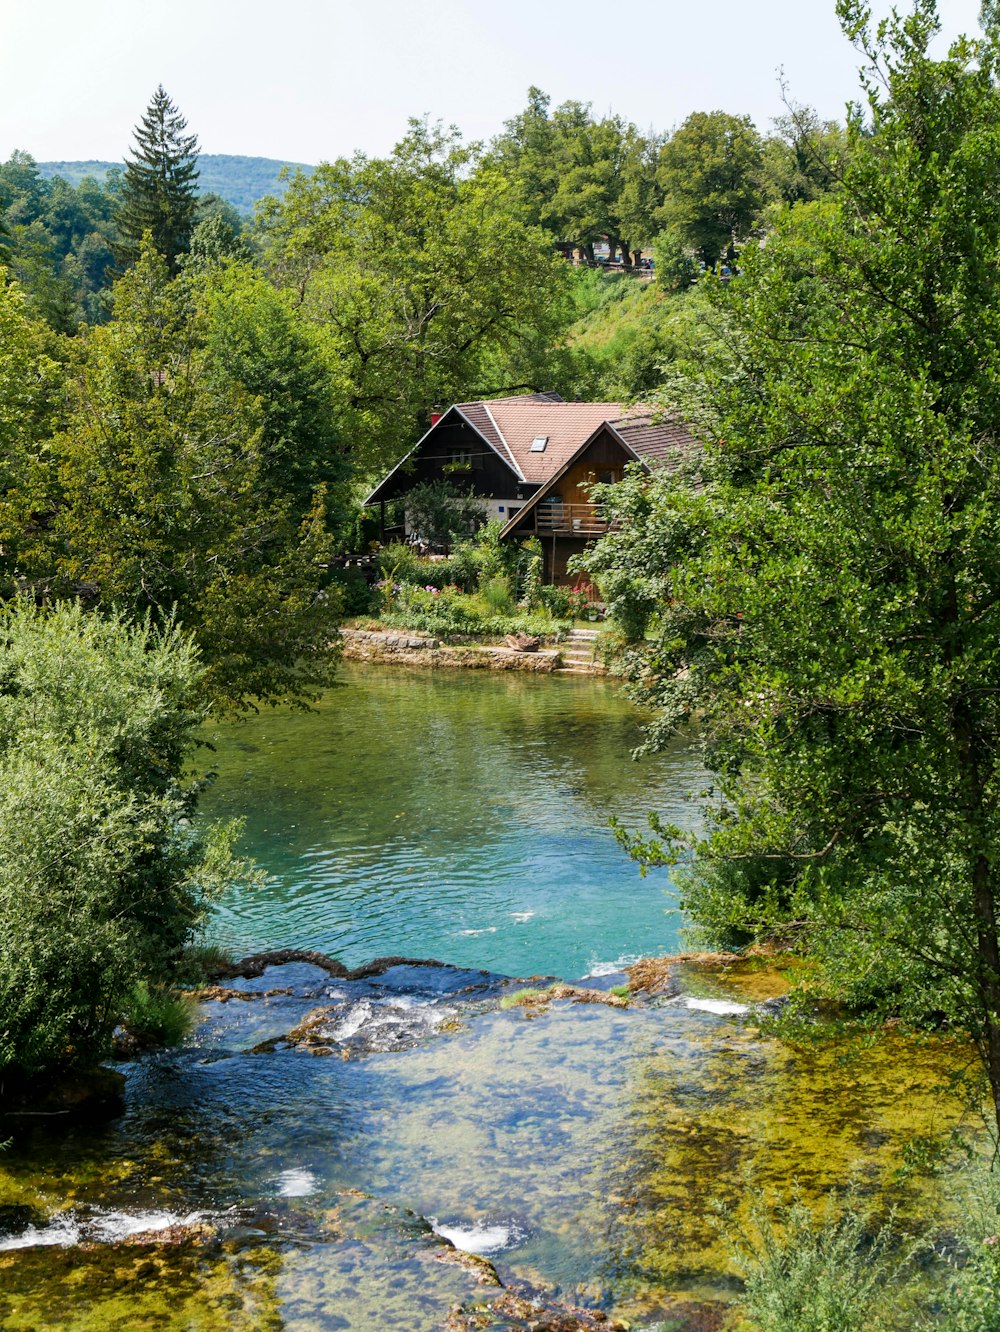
487,474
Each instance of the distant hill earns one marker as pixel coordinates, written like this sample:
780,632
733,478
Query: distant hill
240,180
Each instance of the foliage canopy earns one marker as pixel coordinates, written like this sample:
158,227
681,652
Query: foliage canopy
828,598
103,877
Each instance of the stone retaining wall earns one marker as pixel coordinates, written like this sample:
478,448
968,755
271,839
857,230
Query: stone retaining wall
399,648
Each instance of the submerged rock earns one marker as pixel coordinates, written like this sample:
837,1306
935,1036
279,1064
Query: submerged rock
579,994
249,968
17,1218
525,1310
480,1268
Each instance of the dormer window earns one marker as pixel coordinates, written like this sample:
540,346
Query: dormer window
538,444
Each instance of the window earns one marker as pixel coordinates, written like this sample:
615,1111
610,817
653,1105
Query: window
538,444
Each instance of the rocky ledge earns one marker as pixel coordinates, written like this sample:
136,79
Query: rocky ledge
400,648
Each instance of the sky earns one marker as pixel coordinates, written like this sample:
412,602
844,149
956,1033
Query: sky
311,80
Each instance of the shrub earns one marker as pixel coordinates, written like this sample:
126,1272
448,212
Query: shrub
439,513
493,556
497,595
464,567
451,614
157,1016
531,592
103,878
356,593
822,1273
556,600
398,562
971,1301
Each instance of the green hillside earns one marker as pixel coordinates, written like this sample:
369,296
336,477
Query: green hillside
240,180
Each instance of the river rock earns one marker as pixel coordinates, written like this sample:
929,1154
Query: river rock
525,1310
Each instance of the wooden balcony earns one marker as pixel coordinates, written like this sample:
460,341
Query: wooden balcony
570,520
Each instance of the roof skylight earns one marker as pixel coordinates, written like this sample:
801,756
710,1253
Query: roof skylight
538,443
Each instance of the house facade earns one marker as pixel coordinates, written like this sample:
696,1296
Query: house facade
531,460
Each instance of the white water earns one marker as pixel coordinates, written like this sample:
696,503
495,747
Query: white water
104,1227
721,1007
296,1183
478,1238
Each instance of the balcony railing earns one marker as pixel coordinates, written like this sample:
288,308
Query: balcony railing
570,519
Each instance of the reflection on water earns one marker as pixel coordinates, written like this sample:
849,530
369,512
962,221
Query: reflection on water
461,818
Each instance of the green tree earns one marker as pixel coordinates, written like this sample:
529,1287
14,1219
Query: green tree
256,338
160,185
176,488
581,179
424,282
709,172
832,612
57,241
803,159
525,155
103,876
439,513
31,388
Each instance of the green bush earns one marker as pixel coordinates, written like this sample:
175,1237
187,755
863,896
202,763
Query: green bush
556,600
399,562
829,1272
464,567
531,579
494,557
971,1301
156,1016
441,514
103,878
497,595
355,590
453,614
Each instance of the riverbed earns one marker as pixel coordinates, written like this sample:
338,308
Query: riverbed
257,1181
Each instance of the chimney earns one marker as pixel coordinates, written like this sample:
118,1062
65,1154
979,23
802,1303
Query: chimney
437,411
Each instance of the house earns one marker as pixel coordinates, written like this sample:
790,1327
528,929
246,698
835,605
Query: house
531,458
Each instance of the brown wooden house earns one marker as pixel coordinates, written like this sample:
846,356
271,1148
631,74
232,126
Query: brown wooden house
561,512
530,460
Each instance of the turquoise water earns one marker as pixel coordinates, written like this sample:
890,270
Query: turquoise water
583,1147
457,815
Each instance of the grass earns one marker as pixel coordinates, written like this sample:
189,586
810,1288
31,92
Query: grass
157,1017
520,998
199,965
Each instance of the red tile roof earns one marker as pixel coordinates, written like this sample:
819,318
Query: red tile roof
510,425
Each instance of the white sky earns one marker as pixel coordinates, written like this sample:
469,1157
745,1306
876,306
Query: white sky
308,80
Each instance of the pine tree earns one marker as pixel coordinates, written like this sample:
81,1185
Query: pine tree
160,184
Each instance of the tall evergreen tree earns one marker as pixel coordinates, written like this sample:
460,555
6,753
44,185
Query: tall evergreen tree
160,185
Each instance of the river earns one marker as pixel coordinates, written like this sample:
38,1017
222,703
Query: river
457,815
583,1148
